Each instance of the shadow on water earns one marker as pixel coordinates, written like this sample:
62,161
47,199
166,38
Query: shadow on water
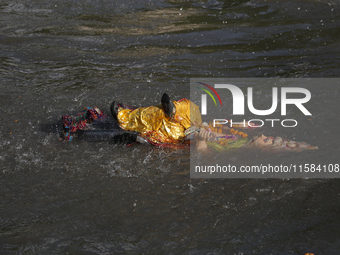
55,128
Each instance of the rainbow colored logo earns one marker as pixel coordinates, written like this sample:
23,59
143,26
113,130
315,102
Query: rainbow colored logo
209,93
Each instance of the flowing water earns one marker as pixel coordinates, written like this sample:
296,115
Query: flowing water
98,198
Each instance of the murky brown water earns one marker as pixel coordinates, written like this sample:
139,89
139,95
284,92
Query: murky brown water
98,198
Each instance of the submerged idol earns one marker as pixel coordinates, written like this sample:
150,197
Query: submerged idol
161,125
171,124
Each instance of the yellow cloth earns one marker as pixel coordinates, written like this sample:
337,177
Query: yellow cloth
156,126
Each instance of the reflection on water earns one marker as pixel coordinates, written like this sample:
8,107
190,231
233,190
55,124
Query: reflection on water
98,198
149,23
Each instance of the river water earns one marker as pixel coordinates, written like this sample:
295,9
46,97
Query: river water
98,198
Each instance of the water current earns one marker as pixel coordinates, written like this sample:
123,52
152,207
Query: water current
56,57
